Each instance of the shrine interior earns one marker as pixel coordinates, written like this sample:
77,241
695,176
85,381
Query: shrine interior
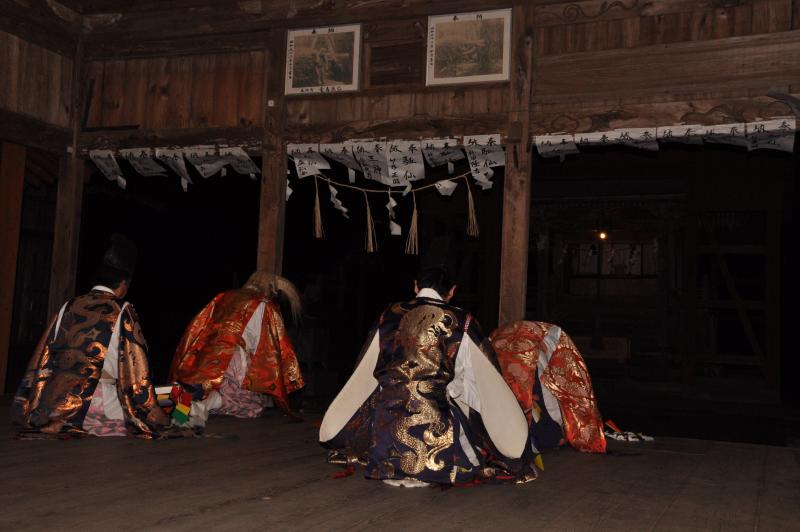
624,171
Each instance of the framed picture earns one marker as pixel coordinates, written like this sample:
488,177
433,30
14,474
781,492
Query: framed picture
323,60
469,47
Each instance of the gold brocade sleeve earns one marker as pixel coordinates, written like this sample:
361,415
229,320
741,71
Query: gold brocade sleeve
137,396
30,388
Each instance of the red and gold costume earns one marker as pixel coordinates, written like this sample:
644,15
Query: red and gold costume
216,335
530,350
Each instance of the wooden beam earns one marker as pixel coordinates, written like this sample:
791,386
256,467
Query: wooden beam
517,182
248,137
23,129
592,116
37,24
251,138
273,165
12,181
668,72
414,127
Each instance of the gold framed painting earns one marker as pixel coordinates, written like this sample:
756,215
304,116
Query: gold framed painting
323,60
469,47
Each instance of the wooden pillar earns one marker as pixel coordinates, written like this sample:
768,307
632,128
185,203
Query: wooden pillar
517,185
66,231
273,164
12,181
69,200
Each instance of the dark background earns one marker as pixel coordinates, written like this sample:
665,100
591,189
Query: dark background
195,244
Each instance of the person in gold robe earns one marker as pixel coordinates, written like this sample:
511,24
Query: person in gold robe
426,403
237,351
549,377
89,374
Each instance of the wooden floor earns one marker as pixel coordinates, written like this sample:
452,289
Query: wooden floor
269,474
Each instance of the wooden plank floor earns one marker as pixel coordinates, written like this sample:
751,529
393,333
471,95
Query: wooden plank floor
269,474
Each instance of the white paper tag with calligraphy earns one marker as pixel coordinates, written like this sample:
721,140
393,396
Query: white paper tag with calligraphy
484,152
555,145
595,138
637,137
776,134
687,134
446,187
307,159
372,158
404,159
439,152
341,152
142,161
173,159
105,162
206,160
239,161
726,134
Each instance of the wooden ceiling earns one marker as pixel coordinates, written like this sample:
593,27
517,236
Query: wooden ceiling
94,7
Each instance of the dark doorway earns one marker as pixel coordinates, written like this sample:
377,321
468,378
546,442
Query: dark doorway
191,246
32,285
679,309
345,288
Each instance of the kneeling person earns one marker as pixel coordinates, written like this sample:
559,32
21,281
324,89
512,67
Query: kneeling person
237,351
426,403
89,374
549,377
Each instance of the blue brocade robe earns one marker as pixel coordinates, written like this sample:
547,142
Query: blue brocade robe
426,402
58,387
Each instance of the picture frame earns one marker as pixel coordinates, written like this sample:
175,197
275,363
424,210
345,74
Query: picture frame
468,47
323,60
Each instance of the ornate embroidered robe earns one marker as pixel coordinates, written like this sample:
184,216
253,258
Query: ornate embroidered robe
89,374
427,403
549,377
216,335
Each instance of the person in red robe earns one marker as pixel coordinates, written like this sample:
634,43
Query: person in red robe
238,352
549,377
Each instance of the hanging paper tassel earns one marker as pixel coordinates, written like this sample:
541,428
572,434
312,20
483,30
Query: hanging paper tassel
372,243
472,224
317,211
412,243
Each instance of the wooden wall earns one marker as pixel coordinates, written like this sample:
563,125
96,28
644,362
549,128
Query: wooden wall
187,91
600,65
393,90
34,81
597,65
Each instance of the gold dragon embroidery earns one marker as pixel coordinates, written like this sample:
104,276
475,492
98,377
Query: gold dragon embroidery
421,330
